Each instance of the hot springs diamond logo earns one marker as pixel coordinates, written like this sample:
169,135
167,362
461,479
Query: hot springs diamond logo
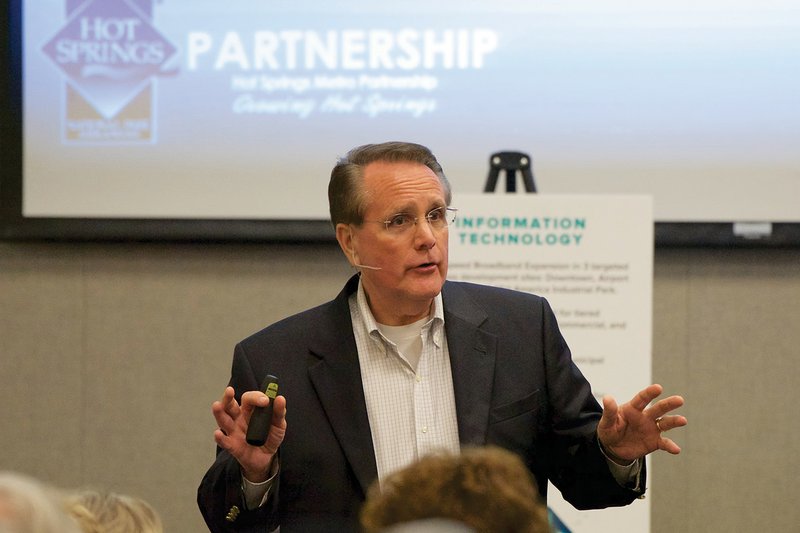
110,54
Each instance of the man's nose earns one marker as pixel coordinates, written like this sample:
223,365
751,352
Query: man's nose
424,234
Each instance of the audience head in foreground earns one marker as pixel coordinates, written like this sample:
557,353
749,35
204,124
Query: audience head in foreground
107,512
486,489
29,506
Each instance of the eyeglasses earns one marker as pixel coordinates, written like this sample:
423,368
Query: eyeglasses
400,223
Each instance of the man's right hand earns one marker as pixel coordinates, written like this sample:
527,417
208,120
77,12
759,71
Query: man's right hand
232,420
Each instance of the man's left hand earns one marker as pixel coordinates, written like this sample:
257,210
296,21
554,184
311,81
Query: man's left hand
636,428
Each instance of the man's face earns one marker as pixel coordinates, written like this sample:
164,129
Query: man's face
413,263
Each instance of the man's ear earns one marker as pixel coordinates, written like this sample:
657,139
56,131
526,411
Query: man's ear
344,235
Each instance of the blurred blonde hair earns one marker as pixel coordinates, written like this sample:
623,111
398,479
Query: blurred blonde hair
108,512
30,506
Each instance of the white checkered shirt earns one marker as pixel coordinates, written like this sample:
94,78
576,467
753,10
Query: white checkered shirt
411,413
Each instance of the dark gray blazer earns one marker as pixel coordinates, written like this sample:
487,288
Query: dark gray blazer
515,386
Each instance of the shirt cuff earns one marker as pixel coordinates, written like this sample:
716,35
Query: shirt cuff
626,475
256,494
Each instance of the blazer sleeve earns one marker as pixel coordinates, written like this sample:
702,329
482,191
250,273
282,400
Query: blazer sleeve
219,495
574,462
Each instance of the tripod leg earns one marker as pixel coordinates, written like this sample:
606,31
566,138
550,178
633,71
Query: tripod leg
491,181
527,178
511,180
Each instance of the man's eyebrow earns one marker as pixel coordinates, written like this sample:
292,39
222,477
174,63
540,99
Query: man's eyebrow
404,209
408,209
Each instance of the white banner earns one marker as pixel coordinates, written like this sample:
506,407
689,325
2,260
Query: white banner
591,256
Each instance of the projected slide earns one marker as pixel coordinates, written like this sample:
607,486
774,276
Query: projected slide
237,110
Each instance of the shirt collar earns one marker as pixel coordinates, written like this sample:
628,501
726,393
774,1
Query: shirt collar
436,323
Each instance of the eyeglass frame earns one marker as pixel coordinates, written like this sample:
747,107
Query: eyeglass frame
447,210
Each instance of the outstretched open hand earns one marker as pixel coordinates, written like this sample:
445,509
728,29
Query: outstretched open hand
636,428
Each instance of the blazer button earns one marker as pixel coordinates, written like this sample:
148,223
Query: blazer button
233,514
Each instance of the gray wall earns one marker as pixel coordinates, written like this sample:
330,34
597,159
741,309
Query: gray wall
111,354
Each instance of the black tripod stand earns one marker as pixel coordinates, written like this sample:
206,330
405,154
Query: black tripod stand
511,163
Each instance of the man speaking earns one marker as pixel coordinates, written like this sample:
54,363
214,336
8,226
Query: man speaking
402,363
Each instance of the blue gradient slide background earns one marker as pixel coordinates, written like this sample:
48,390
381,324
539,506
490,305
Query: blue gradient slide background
693,102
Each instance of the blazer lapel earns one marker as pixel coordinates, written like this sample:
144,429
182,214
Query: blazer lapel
336,377
472,360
